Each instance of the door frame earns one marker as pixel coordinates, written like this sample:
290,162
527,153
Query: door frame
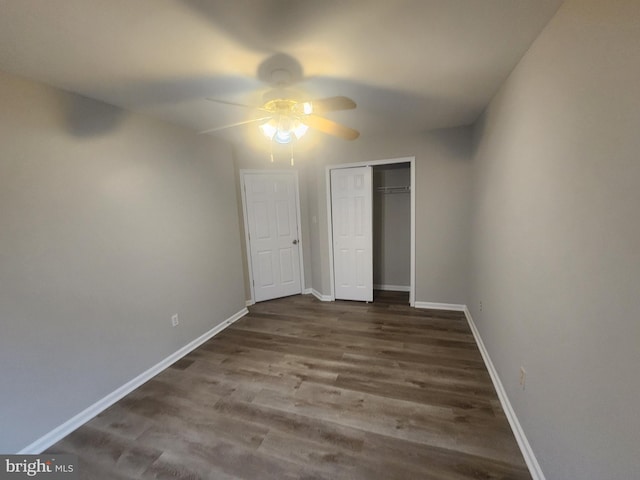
247,240
412,166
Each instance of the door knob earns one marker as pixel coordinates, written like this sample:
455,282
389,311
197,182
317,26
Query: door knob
295,242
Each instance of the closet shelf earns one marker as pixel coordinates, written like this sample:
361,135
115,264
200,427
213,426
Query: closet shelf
396,189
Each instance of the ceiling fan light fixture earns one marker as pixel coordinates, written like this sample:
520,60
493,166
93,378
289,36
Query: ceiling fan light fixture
284,129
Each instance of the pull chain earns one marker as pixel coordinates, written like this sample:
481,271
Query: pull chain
291,151
291,144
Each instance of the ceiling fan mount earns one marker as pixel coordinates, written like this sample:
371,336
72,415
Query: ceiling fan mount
280,77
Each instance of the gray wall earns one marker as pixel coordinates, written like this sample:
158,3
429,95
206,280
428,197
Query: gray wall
443,189
556,240
391,227
110,223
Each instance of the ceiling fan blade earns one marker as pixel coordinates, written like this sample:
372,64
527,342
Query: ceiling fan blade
224,102
330,127
223,127
332,104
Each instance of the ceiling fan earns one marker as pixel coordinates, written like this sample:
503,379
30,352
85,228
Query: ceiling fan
284,119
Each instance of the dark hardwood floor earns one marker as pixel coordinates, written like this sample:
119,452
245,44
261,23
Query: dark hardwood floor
300,389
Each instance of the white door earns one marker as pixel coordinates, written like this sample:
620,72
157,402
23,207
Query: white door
272,222
352,233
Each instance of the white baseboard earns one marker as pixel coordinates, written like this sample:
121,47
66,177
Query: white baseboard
441,306
248,303
87,414
307,291
321,297
523,443
393,288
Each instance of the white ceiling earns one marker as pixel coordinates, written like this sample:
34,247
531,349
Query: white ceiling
410,65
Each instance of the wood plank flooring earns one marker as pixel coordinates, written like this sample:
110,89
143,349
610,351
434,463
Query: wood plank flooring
301,389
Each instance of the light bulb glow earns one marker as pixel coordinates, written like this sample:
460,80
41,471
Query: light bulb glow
282,136
268,129
300,129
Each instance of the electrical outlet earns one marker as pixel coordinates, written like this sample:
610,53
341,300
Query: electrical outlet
174,320
523,377
480,306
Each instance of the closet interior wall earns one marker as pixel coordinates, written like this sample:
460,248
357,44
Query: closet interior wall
392,227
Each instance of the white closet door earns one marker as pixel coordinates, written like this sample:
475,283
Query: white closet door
271,204
352,233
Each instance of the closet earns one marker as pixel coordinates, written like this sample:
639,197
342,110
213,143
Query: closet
371,214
